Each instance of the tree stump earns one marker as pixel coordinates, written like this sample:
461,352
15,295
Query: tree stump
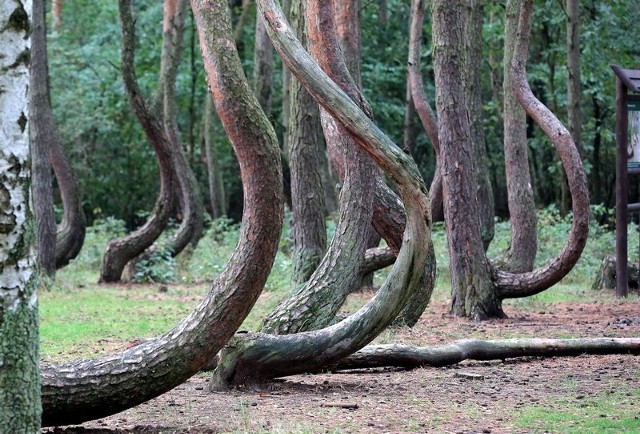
606,278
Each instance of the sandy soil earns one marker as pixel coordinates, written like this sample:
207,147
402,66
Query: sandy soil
472,397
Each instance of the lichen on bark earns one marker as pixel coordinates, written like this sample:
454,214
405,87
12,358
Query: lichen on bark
19,381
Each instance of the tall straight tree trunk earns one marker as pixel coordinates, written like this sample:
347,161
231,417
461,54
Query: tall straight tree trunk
263,66
42,127
573,69
56,9
217,198
305,151
472,291
473,19
20,407
522,210
92,389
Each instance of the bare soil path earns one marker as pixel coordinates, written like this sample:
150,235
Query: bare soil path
510,396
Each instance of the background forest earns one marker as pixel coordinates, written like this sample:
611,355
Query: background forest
116,168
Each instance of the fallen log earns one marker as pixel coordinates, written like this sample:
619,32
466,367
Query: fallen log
411,356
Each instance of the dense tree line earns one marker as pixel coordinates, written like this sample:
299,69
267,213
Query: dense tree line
108,150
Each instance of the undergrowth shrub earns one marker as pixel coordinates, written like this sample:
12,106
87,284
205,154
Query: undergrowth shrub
218,242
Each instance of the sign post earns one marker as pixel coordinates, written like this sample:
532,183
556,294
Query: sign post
627,162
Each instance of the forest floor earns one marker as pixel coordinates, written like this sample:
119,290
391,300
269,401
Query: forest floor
579,394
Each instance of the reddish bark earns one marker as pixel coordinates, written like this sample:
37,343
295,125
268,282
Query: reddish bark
526,284
91,389
422,106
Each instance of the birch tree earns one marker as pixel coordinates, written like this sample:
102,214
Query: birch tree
19,382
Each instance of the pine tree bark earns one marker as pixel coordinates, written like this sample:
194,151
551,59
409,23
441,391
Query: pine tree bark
48,153
411,356
215,183
473,294
254,358
120,251
314,306
305,150
522,210
188,195
573,69
56,9
263,67
477,287
92,389
19,379
473,20
525,284
422,106
41,127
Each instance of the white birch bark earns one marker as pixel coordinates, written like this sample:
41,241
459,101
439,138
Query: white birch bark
19,384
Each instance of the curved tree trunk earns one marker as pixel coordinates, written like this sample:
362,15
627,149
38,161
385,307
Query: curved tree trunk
121,251
522,210
19,381
188,192
305,150
522,285
258,357
314,306
41,129
422,106
477,287
190,197
473,19
47,153
388,218
92,389
72,227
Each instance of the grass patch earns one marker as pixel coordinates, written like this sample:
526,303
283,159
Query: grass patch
613,413
80,319
88,321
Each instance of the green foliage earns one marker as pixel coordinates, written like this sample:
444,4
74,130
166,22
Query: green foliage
158,267
213,251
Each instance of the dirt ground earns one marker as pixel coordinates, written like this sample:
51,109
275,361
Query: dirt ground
472,397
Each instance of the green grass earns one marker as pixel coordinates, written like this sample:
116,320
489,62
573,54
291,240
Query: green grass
83,322
613,413
80,319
